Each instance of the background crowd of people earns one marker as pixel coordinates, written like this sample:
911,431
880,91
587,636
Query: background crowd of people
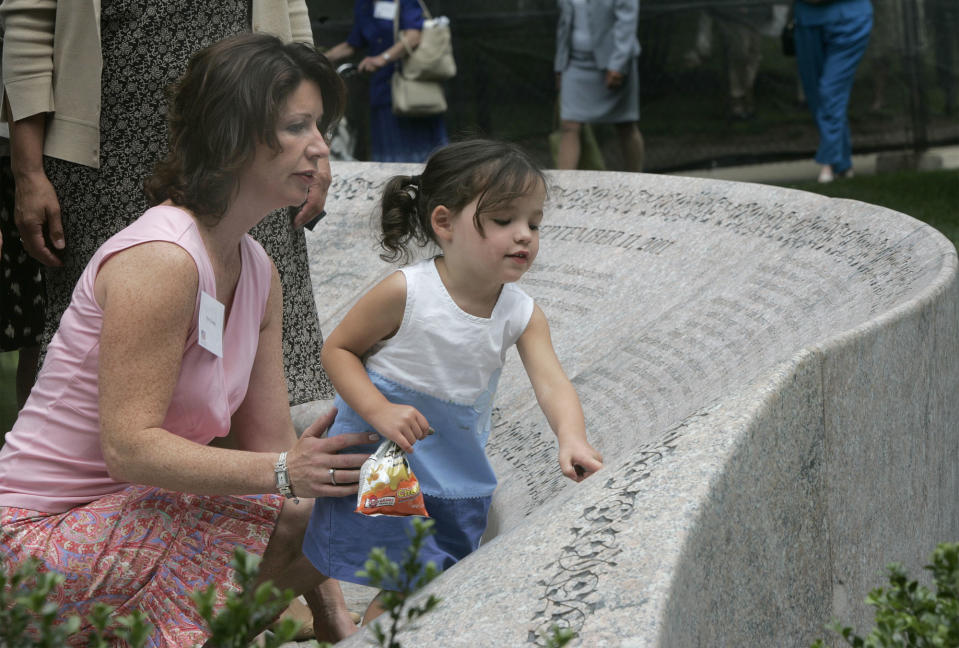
108,181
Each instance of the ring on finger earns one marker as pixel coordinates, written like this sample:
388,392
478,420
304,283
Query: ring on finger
333,477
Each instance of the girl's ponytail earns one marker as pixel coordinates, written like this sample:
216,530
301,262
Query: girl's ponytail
402,219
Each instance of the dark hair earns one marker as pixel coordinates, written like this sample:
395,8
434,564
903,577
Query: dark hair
226,103
496,172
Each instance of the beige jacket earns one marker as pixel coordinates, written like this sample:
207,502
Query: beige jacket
52,64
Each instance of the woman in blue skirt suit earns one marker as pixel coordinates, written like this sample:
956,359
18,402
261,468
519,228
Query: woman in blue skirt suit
831,38
394,138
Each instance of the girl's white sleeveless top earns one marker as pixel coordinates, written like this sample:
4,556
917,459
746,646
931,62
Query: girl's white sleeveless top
443,351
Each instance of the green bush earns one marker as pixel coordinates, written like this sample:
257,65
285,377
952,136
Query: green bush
909,614
408,576
248,612
29,620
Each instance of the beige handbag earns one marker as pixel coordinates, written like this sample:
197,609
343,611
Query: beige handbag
416,98
416,87
433,59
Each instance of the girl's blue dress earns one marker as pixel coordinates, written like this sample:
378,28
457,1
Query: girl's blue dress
446,363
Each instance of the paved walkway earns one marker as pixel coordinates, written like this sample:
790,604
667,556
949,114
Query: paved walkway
780,173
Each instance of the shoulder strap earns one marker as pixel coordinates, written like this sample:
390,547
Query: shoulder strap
426,12
396,20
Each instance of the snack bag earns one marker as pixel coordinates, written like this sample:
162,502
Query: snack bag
388,485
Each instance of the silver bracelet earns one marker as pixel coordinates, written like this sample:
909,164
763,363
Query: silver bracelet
283,483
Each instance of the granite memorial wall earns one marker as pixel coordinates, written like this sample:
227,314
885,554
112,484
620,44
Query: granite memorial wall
771,377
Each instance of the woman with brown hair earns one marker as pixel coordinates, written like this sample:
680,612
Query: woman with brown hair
84,93
171,342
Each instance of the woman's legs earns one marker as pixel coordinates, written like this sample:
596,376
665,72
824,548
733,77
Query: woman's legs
845,45
374,609
827,57
568,156
810,55
810,59
631,144
147,549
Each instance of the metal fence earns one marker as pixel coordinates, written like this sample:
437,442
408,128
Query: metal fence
698,59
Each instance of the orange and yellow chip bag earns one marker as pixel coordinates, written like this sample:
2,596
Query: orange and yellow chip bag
388,485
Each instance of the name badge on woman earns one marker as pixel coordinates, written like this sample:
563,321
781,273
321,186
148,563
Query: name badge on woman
211,324
384,10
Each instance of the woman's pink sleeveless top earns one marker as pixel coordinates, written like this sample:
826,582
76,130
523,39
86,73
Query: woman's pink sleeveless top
52,460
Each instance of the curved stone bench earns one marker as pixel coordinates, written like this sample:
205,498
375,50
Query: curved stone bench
772,378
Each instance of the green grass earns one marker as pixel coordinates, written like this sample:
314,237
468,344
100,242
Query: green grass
930,196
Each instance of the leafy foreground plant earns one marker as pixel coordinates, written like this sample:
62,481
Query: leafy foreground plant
557,637
408,576
28,619
907,613
248,611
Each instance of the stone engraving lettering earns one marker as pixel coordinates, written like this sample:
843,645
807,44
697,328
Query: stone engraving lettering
571,581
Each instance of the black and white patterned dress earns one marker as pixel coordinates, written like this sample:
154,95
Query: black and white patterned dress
145,49
21,277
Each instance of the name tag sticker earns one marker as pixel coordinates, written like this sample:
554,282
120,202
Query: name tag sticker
211,324
384,10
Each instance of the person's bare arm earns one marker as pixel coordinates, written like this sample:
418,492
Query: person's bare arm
558,399
145,326
316,198
37,212
262,423
141,346
27,100
340,51
376,316
411,38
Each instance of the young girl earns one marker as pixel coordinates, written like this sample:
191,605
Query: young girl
424,349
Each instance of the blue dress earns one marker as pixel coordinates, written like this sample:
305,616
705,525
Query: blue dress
394,138
447,364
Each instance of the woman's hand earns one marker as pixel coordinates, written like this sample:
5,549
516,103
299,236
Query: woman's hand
614,79
37,211
372,63
402,424
316,199
409,41
312,457
578,459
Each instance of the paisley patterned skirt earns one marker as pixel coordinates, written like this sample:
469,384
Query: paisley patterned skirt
144,549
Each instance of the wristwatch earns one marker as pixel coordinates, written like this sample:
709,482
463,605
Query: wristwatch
283,484
385,55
